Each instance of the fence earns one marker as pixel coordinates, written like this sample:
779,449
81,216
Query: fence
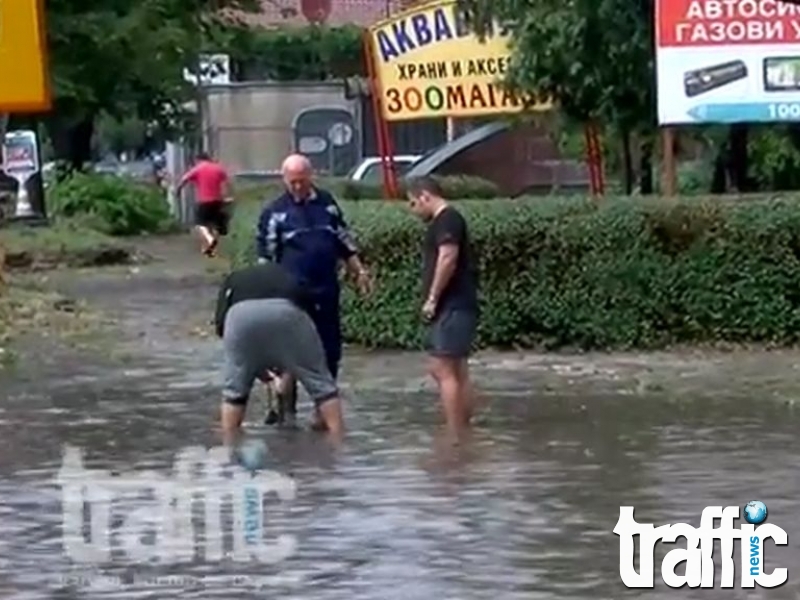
178,159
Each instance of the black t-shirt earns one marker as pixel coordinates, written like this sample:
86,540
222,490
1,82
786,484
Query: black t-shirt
259,282
461,292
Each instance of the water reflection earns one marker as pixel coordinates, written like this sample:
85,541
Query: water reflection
523,509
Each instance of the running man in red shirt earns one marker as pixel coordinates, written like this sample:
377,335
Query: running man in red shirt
212,186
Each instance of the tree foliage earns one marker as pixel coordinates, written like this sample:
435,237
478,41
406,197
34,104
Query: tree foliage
310,53
122,57
595,57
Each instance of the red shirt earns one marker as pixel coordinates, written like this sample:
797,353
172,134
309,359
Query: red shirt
209,179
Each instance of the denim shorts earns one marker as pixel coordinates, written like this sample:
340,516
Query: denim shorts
452,333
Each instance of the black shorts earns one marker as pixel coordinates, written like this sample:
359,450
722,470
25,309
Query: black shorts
213,215
452,333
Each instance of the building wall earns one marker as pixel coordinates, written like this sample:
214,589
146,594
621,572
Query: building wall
330,12
249,126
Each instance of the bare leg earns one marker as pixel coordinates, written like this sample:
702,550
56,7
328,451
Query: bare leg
445,372
330,417
208,238
469,398
231,417
286,391
268,378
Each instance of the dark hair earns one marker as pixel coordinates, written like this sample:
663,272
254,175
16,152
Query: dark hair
203,156
417,185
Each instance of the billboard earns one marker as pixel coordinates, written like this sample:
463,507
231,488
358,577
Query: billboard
429,64
724,61
23,58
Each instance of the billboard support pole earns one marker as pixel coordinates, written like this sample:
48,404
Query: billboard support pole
589,159
390,165
669,175
594,133
594,159
381,126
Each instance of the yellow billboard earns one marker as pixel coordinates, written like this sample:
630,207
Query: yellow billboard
429,63
24,78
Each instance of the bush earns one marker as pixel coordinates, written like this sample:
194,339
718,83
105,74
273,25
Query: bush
464,187
112,205
566,272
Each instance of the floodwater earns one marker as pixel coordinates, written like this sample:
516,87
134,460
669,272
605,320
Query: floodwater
523,510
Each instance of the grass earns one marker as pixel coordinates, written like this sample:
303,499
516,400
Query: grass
64,243
26,308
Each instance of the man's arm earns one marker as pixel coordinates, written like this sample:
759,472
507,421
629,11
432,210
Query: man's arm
227,187
267,236
449,238
348,249
190,175
446,262
223,304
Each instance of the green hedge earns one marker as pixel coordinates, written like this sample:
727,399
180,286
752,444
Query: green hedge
566,272
112,205
460,186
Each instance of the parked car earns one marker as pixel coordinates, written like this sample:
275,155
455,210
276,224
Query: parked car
370,170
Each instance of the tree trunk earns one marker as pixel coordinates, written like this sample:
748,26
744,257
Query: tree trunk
646,168
793,129
72,140
627,161
739,163
719,180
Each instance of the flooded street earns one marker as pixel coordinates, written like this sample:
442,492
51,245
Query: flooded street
523,510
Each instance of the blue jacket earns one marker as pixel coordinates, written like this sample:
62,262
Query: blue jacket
307,238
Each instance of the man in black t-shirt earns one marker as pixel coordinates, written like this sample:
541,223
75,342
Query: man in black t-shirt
450,285
262,318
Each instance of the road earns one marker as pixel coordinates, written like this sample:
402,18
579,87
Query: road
523,510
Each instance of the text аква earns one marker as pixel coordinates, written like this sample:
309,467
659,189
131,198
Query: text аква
443,24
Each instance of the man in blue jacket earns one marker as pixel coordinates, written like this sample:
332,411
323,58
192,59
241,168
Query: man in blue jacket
304,231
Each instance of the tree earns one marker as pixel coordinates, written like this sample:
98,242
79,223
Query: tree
594,57
309,53
122,57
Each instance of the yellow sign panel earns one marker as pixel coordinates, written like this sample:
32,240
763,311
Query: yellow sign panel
430,64
24,85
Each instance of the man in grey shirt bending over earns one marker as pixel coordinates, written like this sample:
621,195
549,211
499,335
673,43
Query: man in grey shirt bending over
262,318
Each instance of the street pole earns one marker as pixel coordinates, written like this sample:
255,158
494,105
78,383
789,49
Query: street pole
200,102
3,125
